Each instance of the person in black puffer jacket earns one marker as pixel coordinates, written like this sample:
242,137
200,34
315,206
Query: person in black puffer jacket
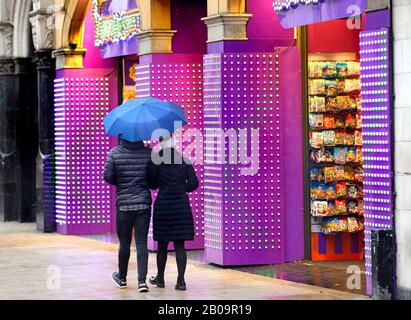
172,216
126,168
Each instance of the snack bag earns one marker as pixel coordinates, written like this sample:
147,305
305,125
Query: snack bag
349,139
361,207
358,156
340,173
330,87
340,207
316,174
358,103
352,104
360,189
351,155
360,221
339,137
358,137
329,138
316,121
341,190
359,120
340,121
342,69
328,155
329,121
343,103
330,174
349,173
315,156
340,155
318,86
353,68
352,85
317,140
329,70
331,105
352,207
340,86
331,208
319,208
359,174
352,191
314,69
330,193
350,121
352,224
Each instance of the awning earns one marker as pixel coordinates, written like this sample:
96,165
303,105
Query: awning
294,13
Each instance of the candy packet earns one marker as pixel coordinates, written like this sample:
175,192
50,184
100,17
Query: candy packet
340,175
353,68
350,121
341,190
329,70
358,138
319,208
352,191
358,119
352,207
340,121
351,155
317,140
349,173
340,155
330,174
352,224
331,105
349,139
358,155
329,138
327,155
340,207
342,69
331,192
329,121
316,121
330,87
340,86
339,137
359,174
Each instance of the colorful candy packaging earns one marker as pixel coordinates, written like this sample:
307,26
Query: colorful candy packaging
316,121
353,68
349,173
352,191
359,174
351,155
358,120
352,85
329,138
349,139
358,137
317,104
341,190
334,224
330,174
340,121
350,121
331,105
358,156
340,86
327,155
343,103
352,224
329,70
330,87
315,156
317,86
339,137
352,207
361,207
340,207
340,173
316,174
317,140
315,69
340,155
331,192
329,121
319,208
358,103
342,69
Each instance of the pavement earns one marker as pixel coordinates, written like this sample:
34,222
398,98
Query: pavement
35,265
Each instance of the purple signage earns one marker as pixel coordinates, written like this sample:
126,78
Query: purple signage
294,13
377,148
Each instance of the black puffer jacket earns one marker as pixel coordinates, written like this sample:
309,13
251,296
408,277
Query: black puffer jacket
126,168
172,216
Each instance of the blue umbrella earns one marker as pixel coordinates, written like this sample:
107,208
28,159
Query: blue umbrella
135,120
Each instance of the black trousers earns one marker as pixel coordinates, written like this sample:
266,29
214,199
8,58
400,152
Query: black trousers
126,221
181,259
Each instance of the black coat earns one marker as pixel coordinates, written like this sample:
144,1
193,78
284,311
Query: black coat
172,216
126,168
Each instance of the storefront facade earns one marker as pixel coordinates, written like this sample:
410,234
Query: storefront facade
293,92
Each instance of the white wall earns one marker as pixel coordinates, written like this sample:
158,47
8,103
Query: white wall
402,136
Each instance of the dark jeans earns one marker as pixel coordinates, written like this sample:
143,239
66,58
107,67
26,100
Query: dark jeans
126,221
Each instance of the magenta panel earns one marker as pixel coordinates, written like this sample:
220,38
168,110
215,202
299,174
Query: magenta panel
377,148
180,83
244,211
82,197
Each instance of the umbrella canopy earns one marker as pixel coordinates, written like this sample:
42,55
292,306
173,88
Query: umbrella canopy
136,120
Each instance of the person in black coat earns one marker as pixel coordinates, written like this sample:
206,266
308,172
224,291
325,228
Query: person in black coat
172,216
126,168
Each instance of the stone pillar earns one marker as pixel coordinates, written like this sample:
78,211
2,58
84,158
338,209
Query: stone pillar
45,164
25,104
8,196
402,141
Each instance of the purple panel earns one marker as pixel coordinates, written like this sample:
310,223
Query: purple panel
182,84
242,91
300,12
82,197
378,19
293,162
338,243
377,149
322,243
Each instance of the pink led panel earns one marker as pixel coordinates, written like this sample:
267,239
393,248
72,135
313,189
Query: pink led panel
180,83
82,197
